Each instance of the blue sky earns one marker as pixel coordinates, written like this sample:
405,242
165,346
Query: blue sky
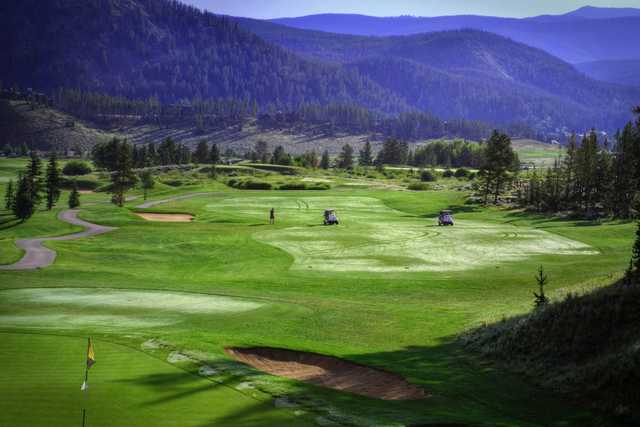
512,8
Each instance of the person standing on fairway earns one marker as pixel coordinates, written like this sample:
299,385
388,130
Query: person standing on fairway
272,216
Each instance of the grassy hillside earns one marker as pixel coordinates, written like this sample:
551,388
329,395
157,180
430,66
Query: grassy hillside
583,346
539,153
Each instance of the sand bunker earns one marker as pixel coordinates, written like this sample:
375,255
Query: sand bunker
329,372
166,217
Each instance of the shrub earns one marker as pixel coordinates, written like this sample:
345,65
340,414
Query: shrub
448,173
427,176
293,186
174,182
87,183
249,184
419,186
472,176
461,173
76,168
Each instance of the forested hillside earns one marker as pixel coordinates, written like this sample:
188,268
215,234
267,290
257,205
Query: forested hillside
473,74
164,49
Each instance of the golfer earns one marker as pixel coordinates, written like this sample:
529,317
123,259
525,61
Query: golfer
272,216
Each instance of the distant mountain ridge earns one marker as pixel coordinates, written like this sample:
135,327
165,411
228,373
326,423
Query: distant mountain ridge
587,34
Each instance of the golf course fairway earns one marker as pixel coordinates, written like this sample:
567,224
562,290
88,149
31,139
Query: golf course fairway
386,289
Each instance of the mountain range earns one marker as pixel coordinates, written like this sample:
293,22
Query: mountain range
165,51
587,34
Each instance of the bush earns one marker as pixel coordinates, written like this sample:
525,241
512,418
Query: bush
427,176
76,168
304,186
249,184
472,176
174,183
419,186
448,173
461,173
82,183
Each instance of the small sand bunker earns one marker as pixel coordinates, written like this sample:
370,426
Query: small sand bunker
166,217
329,372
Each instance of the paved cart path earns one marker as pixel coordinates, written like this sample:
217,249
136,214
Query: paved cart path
38,256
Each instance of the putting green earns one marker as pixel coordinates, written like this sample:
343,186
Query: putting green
375,238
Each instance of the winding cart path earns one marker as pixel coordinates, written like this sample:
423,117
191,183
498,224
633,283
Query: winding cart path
37,256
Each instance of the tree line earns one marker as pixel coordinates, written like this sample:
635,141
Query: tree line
594,179
33,186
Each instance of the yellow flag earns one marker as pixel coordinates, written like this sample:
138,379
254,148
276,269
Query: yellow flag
91,357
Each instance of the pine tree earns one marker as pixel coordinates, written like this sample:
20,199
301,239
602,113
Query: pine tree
147,181
53,181
214,155
9,196
366,156
74,196
587,166
499,162
24,206
346,157
34,175
541,300
202,152
24,150
122,177
325,161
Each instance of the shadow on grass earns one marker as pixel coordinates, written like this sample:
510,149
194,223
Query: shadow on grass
8,221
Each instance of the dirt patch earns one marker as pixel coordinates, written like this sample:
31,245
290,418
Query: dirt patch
329,372
166,217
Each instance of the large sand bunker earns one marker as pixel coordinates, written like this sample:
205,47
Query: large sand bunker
329,372
166,217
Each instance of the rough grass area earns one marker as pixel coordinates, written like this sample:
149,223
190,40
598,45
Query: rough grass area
539,153
586,347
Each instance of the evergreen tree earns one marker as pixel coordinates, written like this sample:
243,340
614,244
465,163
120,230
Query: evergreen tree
345,160
262,151
280,156
325,161
53,181
366,156
34,175
147,181
635,256
74,196
122,176
499,162
202,152
214,155
587,166
23,205
624,168
24,150
9,196
541,300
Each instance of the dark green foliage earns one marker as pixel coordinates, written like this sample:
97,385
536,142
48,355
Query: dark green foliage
541,300
24,150
304,186
76,168
428,176
147,181
308,159
345,160
634,266
365,157
24,205
583,347
9,196
202,152
281,157
419,186
34,175
448,173
393,152
214,154
83,183
325,162
122,176
249,184
461,173
455,154
74,197
53,181
499,162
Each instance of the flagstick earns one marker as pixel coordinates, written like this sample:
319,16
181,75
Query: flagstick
86,379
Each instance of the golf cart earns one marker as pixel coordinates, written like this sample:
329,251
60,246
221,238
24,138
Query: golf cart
445,218
330,217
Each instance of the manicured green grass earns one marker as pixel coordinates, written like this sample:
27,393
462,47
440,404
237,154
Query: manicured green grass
403,320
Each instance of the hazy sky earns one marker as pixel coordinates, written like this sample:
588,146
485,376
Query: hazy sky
511,8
